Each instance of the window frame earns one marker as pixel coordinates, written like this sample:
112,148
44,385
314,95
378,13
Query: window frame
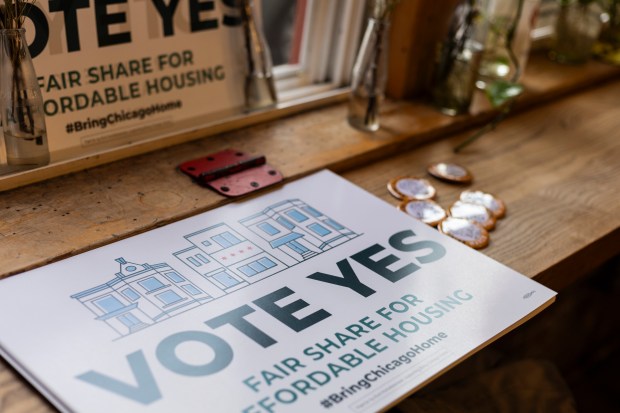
319,229
130,294
169,292
330,38
149,279
110,298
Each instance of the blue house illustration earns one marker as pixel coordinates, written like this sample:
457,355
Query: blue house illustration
297,229
227,259
140,295
222,260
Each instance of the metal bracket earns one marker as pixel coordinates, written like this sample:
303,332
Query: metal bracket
232,173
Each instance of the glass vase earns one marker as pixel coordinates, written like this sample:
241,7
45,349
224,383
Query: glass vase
259,90
458,58
369,77
23,119
497,63
508,40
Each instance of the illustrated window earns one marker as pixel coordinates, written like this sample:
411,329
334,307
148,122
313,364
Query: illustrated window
174,277
190,289
256,267
225,279
169,297
226,239
151,284
130,294
268,229
285,223
202,258
109,304
296,215
194,261
319,229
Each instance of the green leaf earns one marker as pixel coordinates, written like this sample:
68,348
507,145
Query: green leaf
501,91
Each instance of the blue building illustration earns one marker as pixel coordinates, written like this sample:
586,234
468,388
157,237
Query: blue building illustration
297,230
221,259
140,295
227,259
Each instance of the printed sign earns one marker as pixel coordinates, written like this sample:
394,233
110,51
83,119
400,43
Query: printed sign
290,302
116,71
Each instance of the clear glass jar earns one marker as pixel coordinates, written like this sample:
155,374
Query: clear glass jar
458,58
453,92
369,76
497,64
504,59
23,119
259,89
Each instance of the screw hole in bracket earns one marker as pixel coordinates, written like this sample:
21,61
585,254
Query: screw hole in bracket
232,172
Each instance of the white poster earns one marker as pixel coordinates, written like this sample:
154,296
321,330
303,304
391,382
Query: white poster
313,298
113,72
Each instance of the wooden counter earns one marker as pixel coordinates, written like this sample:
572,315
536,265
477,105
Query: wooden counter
557,167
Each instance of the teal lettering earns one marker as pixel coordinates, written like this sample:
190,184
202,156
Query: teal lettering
350,360
145,391
335,369
382,265
348,279
166,353
285,313
319,377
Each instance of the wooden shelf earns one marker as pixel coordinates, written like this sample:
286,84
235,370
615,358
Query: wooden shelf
60,217
554,162
403,122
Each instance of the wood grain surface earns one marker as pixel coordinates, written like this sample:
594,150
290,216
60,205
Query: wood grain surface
557,167
63,216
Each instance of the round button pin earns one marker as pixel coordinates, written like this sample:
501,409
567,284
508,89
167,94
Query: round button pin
408,187
468,232
493,204
473,212
424,210
450,172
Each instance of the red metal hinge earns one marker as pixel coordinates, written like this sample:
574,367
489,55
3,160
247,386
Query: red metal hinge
232,173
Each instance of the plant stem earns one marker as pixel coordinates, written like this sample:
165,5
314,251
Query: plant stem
486,128
373,100
20,110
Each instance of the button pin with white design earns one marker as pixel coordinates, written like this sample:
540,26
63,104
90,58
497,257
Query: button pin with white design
468,232
492,203
473,212
409,187
424,210
450,172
